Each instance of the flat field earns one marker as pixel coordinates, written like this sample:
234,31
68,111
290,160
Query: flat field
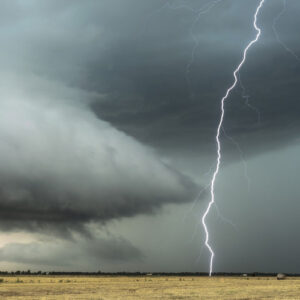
148,287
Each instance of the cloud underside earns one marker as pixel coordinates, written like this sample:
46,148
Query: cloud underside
71,254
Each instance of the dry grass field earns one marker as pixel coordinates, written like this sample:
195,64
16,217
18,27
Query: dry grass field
148,287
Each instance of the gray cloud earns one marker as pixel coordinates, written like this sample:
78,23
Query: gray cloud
138,66
70,254
150,98
87,86
60,165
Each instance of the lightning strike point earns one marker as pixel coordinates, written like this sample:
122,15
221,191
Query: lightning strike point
219,156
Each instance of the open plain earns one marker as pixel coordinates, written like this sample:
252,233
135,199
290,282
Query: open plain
147,287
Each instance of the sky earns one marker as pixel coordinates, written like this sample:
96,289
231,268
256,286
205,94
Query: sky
108,116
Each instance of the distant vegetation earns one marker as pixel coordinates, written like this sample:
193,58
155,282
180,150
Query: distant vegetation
100,273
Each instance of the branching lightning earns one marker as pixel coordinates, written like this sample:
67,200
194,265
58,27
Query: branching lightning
277,35
203,10
219,156
246,97
236,144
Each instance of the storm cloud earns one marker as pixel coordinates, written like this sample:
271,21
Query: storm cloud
61,164
135,61
163,95
108,114
66,254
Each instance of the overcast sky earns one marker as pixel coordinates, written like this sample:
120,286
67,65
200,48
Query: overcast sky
108,115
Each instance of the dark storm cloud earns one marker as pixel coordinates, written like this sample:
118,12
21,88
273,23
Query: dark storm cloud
61,167
148,94
133,57
80,80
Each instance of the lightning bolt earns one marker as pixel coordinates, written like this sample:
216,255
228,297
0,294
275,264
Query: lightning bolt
219,156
